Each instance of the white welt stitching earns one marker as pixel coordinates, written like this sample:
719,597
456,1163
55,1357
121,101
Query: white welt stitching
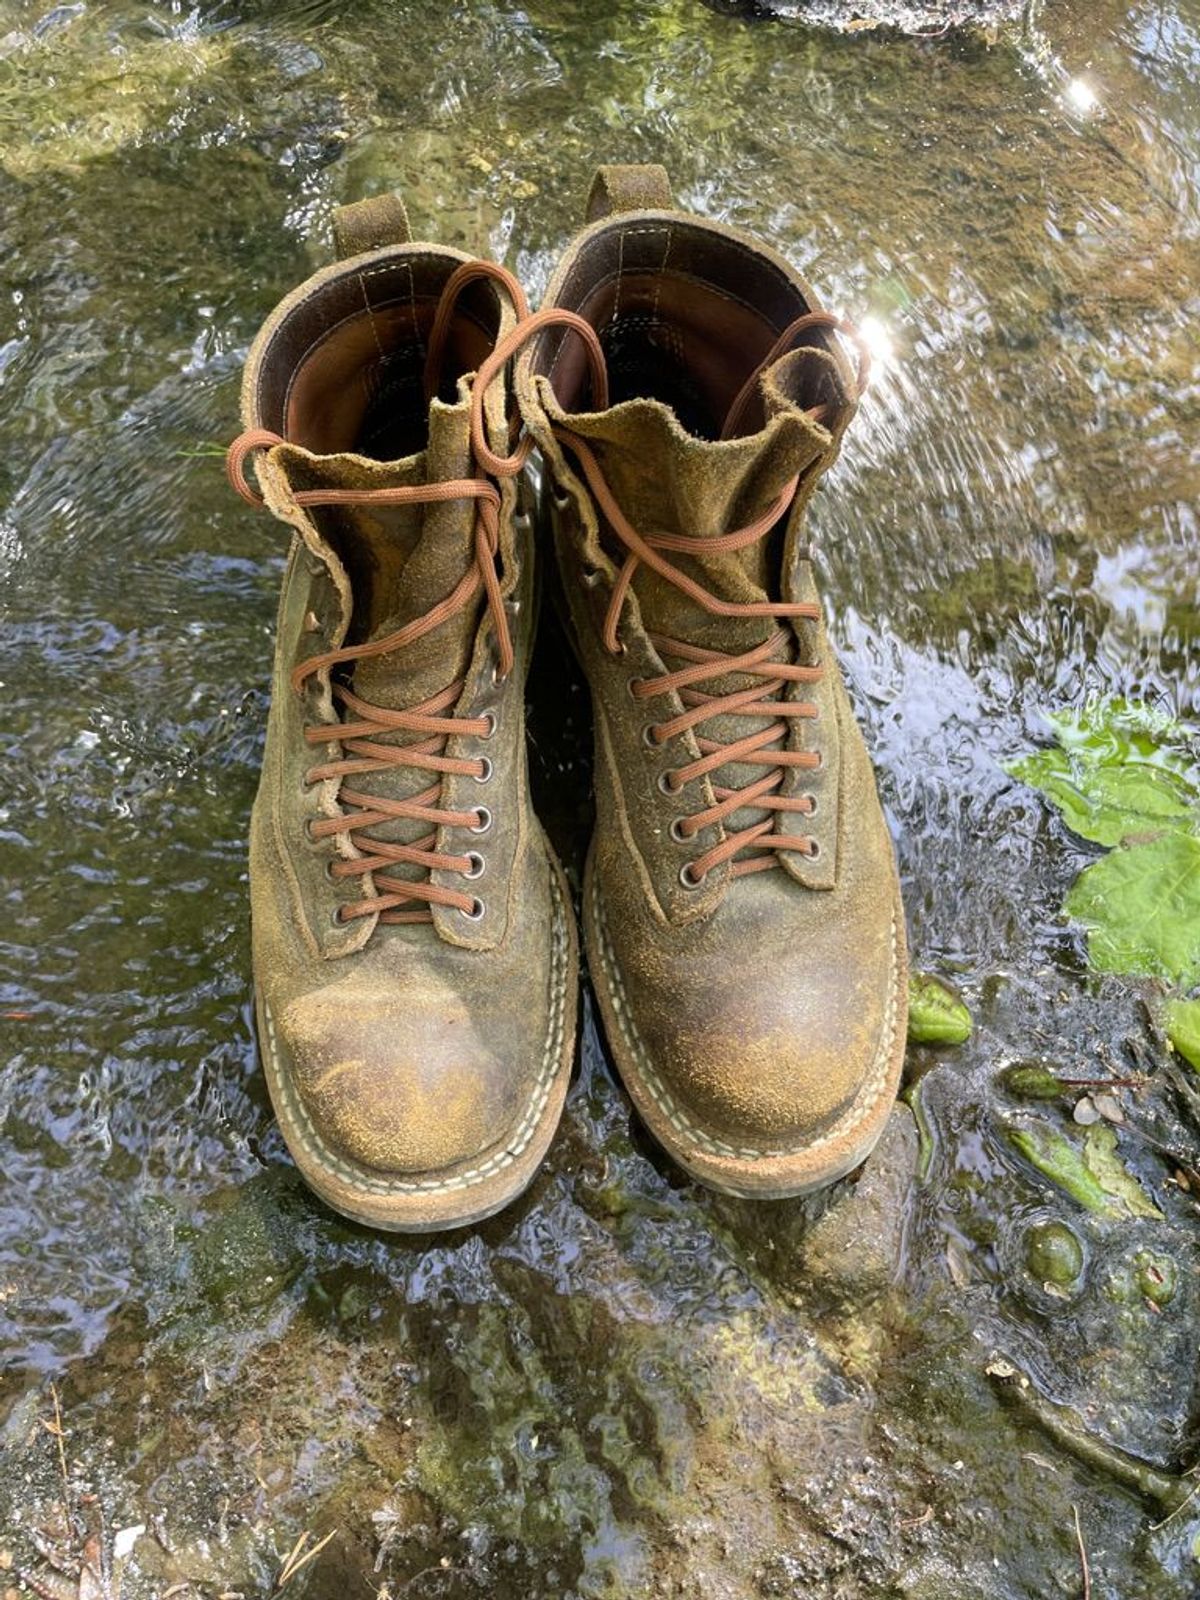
357,1176
874,1086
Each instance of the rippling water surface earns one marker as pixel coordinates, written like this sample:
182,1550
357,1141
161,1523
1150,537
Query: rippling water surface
625,1385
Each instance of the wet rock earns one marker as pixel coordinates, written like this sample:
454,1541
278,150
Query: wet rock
1054,1254
852,1252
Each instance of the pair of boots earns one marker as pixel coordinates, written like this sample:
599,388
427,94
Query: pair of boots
415,953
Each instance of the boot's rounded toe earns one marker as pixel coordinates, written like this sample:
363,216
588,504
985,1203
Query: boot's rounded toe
761,1076
398,1094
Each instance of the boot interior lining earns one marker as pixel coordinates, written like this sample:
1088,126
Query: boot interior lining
684,316
345,368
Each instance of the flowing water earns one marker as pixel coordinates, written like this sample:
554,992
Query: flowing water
625,1385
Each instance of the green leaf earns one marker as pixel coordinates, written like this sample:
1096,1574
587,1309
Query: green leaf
1110,1172
1028,1081
1120,769
1183,1029
1141,907
936,1015
1107,804
1122,730
1056,1158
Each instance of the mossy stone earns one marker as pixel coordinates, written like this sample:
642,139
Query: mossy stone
1054,1254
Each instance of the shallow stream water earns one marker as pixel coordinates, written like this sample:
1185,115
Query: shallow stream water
625,1385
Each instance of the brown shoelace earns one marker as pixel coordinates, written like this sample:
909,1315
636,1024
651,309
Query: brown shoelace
757,846
363,725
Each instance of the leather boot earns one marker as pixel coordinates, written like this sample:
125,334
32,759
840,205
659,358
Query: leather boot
742,912
414,947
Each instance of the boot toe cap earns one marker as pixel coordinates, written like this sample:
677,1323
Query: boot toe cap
395,1092
776,1060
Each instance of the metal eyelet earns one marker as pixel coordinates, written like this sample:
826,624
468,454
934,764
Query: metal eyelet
336,918
329,873
649,739
677,833
820,761
591,577
478,865
814,849
309,824
812,804
484,823
488,770
490,718
686,878
665,786
633,684
475,914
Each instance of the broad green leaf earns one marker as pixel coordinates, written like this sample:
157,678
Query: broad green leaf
1107,804
1110,1172
1122,730
1183,1029
1056,1158
936,1015
1121,769
1095,1176
1141,907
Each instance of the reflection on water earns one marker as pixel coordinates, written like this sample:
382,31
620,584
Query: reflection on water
626,1380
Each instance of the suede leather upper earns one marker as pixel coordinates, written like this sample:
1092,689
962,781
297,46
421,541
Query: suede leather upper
752,1015
411,1063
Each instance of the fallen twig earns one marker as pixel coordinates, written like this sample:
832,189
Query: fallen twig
298,1558
1064,1427
1083,1560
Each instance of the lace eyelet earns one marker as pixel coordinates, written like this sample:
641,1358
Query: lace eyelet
490,718
336,917
590,577
309,824
476,913
677,833
488,771
478,866
484,822
812,804
329,872
649,738
633,685
814,849
820,761
686,878
665,786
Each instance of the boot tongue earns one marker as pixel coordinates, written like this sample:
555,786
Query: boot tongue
668,481
401,560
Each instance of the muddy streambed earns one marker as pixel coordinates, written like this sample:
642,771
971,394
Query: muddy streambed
961,1376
